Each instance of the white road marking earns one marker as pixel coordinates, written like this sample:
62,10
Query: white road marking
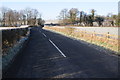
57,48
44,34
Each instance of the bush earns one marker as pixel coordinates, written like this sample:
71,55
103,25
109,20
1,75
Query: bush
11,36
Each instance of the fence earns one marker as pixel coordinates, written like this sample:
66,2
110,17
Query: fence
102,39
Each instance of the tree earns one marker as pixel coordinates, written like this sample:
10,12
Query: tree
92,16
99,20
73,13
89,20
40,21
9,17
31,15
22,17
114,19
35,14
3,11
27,13
93,13
85,19
16,18
81,15
118,20
63,16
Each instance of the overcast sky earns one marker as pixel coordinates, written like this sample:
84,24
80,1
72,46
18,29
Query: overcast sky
51,9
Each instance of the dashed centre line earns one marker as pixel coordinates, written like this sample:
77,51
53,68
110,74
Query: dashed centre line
44,34
57,48
54,45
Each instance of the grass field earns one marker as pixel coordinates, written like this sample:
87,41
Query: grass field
108,41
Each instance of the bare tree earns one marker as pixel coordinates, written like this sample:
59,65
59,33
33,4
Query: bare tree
63,15
35,15
22,17
9,17
16,18
73,15
27,12
3,11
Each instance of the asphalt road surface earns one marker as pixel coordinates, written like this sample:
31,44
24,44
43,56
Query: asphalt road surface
51,55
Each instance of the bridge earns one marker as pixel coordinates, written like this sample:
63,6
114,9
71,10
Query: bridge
51,23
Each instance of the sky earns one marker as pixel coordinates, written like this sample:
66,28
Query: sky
59,0
51,9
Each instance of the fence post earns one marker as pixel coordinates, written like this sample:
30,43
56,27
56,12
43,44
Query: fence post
93,36
108,36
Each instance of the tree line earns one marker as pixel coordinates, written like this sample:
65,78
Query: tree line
76,17
28,16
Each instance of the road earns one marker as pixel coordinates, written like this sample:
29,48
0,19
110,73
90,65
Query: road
51,55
